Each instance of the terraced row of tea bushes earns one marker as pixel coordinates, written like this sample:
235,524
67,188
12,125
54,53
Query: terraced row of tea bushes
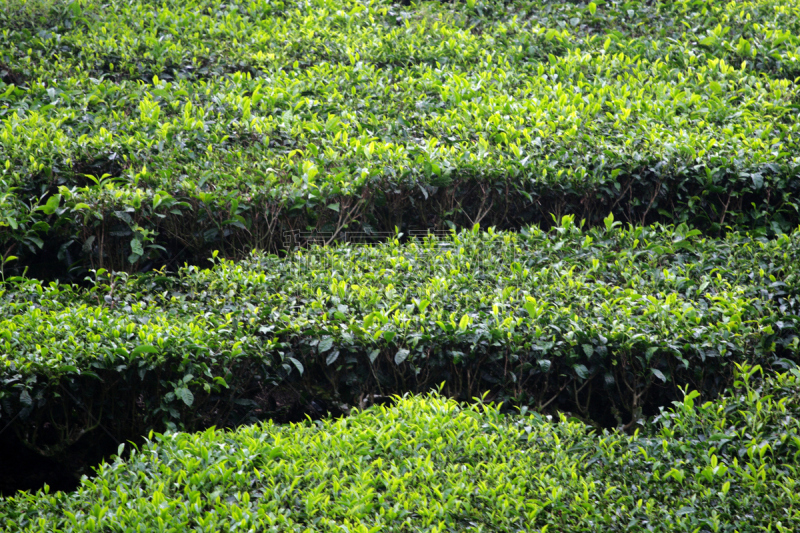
765,35
605,323
129,139
430,464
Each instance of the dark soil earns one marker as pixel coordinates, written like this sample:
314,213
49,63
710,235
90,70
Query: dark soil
24,469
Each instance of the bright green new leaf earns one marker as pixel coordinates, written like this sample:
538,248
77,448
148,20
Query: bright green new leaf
52,204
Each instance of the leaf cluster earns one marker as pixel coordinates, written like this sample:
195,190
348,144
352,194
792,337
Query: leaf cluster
256,118
431,464
607,323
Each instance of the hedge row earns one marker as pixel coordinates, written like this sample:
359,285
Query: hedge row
129,139
430,464
607,323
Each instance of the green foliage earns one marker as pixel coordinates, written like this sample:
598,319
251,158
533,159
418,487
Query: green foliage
430,464
205,125
135,134
607,323
32,14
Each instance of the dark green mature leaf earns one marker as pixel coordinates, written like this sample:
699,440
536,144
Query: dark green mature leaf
373,355
325,345
25,398
332,357
142,349
581,371
400,356
297,364
185,395
136,247
659,374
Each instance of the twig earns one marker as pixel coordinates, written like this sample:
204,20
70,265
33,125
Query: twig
564,386
9,423
91,418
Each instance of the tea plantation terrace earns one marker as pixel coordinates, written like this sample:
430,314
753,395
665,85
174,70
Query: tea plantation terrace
575,292
607,323
131,137
430,464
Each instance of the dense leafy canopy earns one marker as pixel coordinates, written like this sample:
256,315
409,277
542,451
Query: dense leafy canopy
138,135
607,323
429,464
136,130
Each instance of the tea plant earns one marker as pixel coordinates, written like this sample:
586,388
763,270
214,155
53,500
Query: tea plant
606,323
430,464
138,136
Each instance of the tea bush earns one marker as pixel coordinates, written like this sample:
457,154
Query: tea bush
131,134
607,323
430,464
136,136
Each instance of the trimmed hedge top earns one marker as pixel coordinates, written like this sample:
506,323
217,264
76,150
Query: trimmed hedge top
568,318
128,135
429,464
